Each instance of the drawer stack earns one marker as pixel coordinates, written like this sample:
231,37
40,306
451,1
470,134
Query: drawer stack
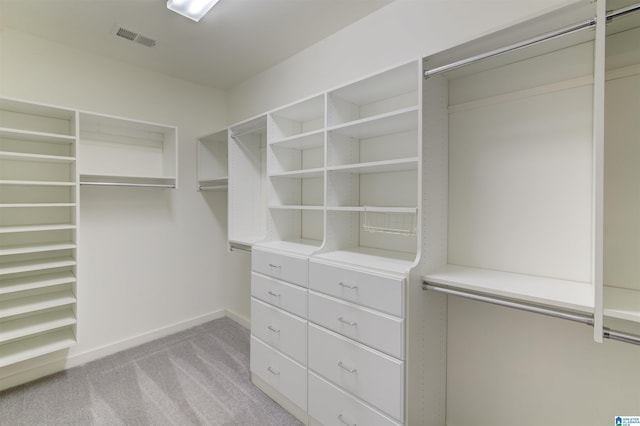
279,327
356,346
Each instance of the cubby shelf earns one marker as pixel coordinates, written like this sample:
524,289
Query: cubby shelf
384,166
38,302
308,140
35,248
302,174
36,228
36,183
29,205
36,265
36,324
30,136
379,125
213,161
24,349
33,282
21,156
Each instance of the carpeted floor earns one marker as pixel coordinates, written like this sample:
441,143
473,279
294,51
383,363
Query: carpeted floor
196,377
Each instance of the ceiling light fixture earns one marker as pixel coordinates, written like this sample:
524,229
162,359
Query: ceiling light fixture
192,9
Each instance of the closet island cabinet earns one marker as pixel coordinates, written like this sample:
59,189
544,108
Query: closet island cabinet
325,193
38,224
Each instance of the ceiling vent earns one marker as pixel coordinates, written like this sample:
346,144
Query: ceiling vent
133,36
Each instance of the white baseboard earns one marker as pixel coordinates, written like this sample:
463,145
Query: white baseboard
243,321
49,365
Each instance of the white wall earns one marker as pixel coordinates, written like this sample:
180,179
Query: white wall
504,366
150,261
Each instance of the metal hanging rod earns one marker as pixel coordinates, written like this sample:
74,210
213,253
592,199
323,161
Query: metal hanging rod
511,48
248,132
140,185
583,319
618,13
532,41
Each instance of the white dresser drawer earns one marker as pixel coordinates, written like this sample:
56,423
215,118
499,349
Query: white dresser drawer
374,377
378,291
285,332
330,406
291,298
282,373
380,331
288,268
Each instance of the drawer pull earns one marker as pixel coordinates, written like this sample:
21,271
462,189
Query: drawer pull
274,294
344,422
275,266
275,330
272,371
351,323
345,368
350,287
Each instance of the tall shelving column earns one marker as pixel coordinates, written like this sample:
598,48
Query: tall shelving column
213,161
38,229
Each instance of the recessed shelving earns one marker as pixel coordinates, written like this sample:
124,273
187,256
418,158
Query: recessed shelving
36,228
36,324
35,248
24,349
38,302
385,166
36,265
213,161
20,156
33,282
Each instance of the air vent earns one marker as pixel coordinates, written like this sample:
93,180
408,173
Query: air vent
133,36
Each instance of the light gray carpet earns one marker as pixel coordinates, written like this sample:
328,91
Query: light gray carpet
196,377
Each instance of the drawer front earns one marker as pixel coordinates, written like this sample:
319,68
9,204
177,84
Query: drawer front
288,268
381,292
285,332
291,298
283,374
380,331
372,376
330,406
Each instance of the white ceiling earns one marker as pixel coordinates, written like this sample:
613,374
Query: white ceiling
234,41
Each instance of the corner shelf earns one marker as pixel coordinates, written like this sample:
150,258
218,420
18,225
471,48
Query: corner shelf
122,152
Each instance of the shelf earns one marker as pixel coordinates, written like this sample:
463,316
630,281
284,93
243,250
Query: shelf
36,265
127,181
383,260
21,156
35,248
35,228
304,247
36,324
35,183
29,205
385,166
39,302
309,140
25,135
213,184
380,125
570,295
302,174
622,303
33,282
25,349
296,207
376,209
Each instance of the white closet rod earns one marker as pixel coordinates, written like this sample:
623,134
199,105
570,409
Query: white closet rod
584,319
139,185
532,41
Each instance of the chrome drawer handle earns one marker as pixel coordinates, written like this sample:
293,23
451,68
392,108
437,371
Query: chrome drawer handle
272,371
274,294
350,287
347,369
275,266
351,323
273,329
344,422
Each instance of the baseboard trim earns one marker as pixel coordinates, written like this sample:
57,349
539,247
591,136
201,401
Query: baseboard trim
240,319
51,364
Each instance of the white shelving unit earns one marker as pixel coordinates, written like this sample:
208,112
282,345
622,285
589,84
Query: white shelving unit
213,161
622,174
247,182
38,229
512,161
295,171
122,152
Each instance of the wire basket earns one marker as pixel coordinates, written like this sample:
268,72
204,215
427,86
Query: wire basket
390,222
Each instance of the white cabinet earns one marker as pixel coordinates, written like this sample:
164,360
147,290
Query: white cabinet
213,161
122,152
38,230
